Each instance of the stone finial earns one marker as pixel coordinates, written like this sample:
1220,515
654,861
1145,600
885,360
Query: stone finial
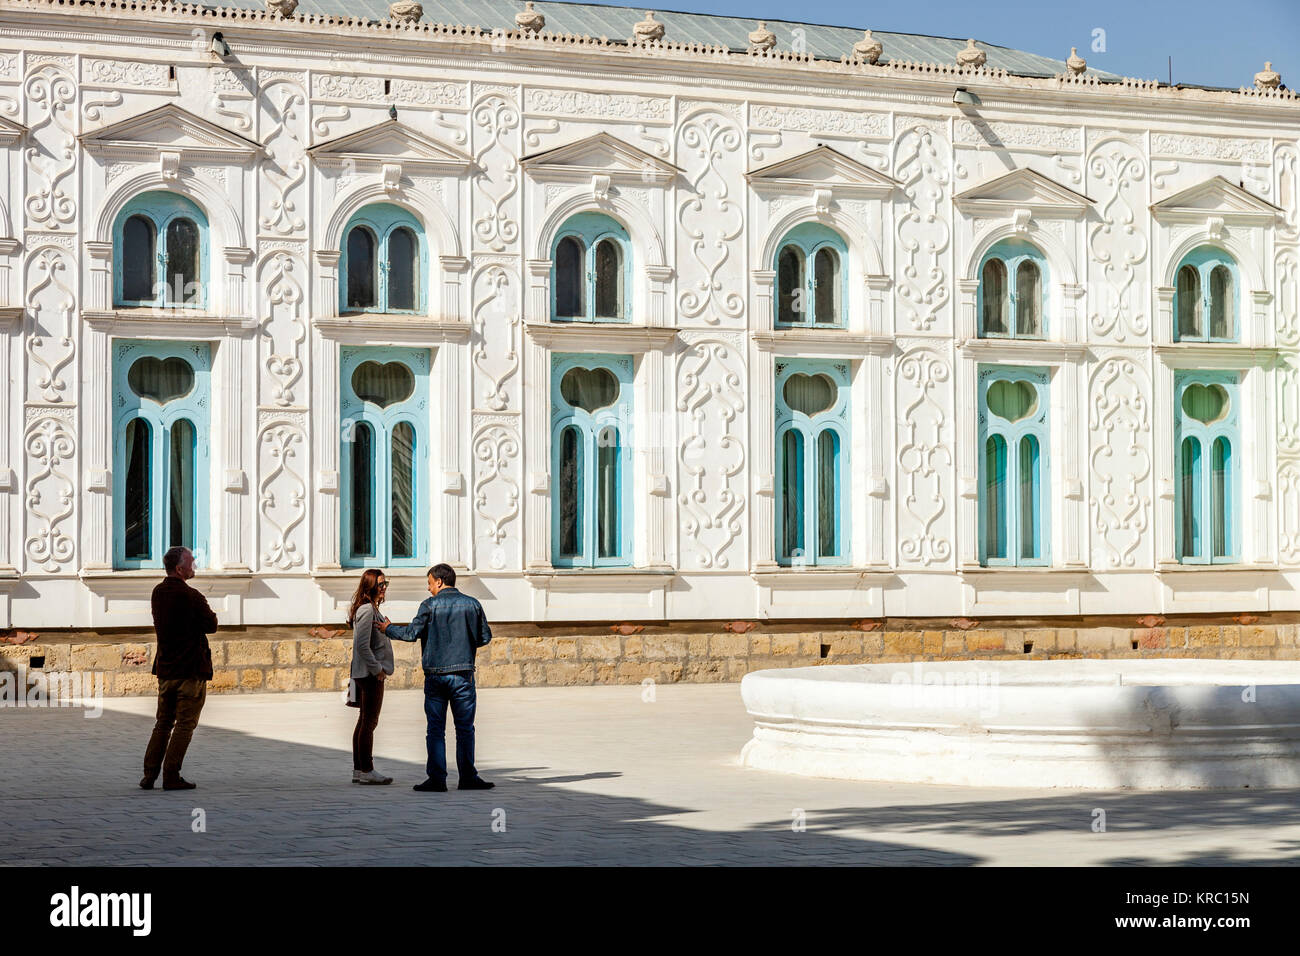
1268,78
529,20
649,30
971,55
762,38
868,49
1075,64
405,11
282,8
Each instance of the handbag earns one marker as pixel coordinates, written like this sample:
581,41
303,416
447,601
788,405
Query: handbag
353,700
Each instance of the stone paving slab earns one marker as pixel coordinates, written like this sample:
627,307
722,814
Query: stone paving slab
585,775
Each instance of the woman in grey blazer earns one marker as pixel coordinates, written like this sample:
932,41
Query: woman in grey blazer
372,663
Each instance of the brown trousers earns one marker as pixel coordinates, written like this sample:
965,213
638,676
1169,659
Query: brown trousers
370,695
179,704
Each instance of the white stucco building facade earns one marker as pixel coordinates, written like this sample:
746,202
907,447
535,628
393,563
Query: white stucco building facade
1113,429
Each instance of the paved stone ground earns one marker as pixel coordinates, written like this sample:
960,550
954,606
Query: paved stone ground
584,775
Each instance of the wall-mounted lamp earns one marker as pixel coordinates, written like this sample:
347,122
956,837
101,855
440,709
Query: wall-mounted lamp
964,98
219,45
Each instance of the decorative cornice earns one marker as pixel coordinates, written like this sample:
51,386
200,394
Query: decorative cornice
375,329
1022,350
11,316
162,323
1223,355
825,342
599,337
513,43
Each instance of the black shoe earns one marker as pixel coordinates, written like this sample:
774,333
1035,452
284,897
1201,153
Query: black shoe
478,783
180,783
146,783
431,786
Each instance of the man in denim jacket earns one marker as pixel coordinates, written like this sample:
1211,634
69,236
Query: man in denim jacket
450,626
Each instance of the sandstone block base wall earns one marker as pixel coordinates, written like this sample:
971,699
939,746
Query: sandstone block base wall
271,659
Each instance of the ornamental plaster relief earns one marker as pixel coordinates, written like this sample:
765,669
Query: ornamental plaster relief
50,301
353,89
50,489
1209,147
126,74
425,93
1287,298
711,453
283,328
1120,463
282,493
710,220
496,491
1288,406
495,122
497,296
582,104
283,115
925,456
923,165
1288,513
51,154
1286,167
819,121
1118,243
1000,135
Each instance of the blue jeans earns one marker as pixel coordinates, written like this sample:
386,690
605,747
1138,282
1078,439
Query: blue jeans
457,690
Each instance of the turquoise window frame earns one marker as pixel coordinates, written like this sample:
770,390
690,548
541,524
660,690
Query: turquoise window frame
834,419
160,208
810,238
382,219
1036,425
590,228
590,425
1013,252
1204,259
1226,427
194,407
413,410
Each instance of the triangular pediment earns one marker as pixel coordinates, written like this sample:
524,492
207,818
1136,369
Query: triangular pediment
821,166
390,142
1022,189
600,154
1216,197
168,128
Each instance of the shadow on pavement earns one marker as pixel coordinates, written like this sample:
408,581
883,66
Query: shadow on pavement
272,802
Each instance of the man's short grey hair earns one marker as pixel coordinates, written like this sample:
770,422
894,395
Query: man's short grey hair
174,556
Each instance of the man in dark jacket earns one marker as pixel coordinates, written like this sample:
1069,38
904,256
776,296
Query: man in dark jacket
450,626
183,666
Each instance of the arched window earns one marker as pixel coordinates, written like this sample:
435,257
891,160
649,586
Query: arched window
1205,297
160,452
384,261
813,478
1013,433
810,277
1205,439
591,270
591,415
1012,292
384,413
161,249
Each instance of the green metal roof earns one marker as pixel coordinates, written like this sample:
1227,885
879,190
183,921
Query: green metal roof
616,23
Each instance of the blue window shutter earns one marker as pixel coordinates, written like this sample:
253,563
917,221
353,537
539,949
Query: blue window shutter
172,386
592,510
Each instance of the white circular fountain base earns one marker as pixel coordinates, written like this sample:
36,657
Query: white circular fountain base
1149,724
